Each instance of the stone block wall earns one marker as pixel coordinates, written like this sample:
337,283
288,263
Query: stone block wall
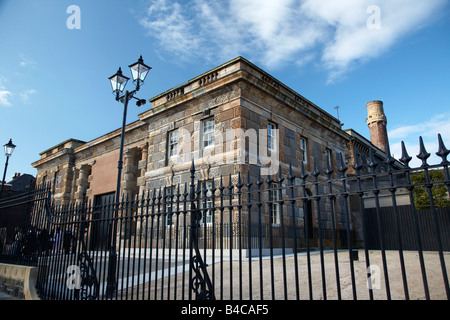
18,281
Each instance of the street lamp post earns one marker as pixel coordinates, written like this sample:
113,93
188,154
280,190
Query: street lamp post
118,81
9,149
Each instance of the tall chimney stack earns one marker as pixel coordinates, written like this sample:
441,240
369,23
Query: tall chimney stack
376,120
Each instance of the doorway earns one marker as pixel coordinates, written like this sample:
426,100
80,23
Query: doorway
102,221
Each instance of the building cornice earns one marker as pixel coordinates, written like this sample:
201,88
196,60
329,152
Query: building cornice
239,69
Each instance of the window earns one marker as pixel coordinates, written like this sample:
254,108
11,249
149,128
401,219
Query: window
271,137
56,181
208,133
274,197
206,202
328,156
172,147
171,204
303,150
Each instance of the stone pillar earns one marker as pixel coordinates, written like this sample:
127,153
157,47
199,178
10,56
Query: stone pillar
130,169
82,182
142,167
63,177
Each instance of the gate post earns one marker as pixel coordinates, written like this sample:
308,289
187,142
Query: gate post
199,283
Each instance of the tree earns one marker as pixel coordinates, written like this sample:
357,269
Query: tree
439,191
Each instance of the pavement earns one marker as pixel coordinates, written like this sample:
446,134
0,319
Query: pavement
4,296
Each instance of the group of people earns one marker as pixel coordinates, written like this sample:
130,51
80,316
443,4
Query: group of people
36,242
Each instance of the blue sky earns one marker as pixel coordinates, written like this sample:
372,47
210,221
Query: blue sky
54,80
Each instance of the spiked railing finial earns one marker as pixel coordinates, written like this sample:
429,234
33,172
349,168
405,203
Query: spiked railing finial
423,154
342,166
405,159
304,174
442,152
373,163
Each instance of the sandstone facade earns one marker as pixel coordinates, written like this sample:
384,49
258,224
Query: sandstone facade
234,118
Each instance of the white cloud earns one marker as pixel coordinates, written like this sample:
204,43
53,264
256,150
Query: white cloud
4,98
428,130
27,63
25,95
335,33
4,94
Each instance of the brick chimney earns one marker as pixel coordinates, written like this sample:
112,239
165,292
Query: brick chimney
376,120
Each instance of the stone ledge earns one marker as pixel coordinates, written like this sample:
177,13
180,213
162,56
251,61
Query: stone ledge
19,281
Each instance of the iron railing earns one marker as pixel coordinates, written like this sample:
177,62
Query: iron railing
235,240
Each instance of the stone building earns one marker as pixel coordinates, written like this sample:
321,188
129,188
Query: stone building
233,118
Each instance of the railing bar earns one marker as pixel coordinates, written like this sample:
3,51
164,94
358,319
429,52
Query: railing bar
291,179
259,204
221,188
68,249
139,213
60,284
105,227
164,218
213,196
376,192
392,189
158,216
204,225
342,170
333,226
317,199
437,233
54,261
185,239
122,221
360,194
270,206
249,238
152,215
177,214
147,200
121,253
230,232
171,222
92,240
58,257
306,208
134,208
283,238
239,193
130,262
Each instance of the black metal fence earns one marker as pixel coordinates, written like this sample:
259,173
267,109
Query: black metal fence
295,236
408,241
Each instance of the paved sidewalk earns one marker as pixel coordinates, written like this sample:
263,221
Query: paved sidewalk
4,296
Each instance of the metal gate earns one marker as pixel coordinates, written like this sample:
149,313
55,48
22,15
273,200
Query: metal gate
237,239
